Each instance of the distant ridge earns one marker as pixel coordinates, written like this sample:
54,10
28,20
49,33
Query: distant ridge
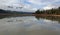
14,12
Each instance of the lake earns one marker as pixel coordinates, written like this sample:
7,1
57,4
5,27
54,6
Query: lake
29,25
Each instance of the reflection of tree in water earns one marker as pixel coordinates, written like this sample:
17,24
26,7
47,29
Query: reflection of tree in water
1,17
37,17
53,18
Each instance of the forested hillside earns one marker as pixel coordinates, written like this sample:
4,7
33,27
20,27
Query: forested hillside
51,11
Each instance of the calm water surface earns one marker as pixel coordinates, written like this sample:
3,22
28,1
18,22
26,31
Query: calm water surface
30,25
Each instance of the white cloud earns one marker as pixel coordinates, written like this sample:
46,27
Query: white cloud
36,2
15,3
42,2
45,4
49,7
28,8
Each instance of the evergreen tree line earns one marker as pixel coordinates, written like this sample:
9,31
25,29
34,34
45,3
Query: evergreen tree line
51,11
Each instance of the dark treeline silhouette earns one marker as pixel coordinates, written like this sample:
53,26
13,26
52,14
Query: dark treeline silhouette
51,11
6,11
13,12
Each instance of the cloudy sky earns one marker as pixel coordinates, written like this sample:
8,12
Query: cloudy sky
28,5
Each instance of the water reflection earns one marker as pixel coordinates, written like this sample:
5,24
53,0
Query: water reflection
1,17
5,16
29,25
53,18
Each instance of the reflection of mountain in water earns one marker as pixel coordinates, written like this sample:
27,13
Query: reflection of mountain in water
53,18
1,17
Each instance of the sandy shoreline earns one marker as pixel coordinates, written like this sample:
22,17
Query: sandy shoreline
29,15
46,15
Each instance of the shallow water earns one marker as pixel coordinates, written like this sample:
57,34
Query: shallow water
29,25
